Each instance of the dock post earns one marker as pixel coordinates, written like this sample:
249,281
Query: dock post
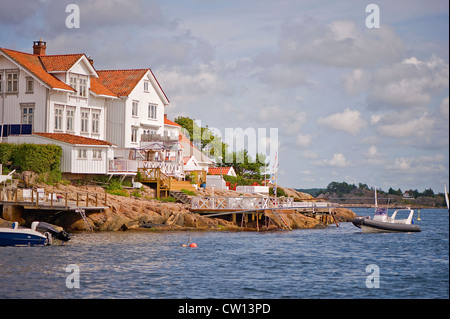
87,199
77,199
66,201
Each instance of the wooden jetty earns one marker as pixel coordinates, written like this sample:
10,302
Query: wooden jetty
16,201
261,207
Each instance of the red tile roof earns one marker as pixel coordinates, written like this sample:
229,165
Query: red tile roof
121,82
33,64
74,139
61,62
216,170
100,89
169,122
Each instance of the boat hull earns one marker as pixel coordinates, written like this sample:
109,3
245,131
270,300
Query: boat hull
25,237
372,226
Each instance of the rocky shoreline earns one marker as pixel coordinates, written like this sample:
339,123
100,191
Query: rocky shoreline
145,213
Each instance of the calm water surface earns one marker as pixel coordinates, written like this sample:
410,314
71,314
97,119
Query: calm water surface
322,263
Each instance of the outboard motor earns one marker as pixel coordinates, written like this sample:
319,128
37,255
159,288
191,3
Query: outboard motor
44,227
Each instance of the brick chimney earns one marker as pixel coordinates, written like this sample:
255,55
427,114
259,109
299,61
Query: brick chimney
39,47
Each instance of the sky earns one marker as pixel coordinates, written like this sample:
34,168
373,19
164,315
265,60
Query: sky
349,102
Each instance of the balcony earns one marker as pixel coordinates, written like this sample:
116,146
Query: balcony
158,138
131,167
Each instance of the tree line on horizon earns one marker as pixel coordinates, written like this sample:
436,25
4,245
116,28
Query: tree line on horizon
342,188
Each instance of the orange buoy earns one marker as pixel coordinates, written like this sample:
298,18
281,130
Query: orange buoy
193,245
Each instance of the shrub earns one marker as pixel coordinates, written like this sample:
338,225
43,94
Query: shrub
32,157
119,192
188,192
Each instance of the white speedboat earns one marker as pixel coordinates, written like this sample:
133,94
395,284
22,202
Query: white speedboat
382,223
40,234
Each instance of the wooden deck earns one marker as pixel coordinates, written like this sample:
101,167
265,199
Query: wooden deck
35,198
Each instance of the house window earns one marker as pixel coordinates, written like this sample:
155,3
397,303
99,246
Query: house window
12,82
70,116
97,154
0,82
30,85
82,153
59,111
84,121
27,113
152,111
73,84
95,121
134,109
134,134
83,87
145,86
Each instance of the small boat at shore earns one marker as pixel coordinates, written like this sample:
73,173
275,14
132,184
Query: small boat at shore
382,223
40,234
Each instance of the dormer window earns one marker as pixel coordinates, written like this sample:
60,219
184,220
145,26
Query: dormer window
80,84
83,86
73,83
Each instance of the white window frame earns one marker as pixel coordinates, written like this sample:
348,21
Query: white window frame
95,121
134,134
74,84
12,81
152,111
70,119
146,86
82,153
27,117
29,85
84,127
59,117
97,155
83,86
135,108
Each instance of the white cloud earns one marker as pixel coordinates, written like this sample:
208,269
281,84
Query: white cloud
420,165
303,140
340,43
400,126
290,120
349,121
309,154
356,81
338,160
373,156
409,83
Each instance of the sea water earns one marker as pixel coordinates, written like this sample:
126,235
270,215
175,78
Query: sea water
336,262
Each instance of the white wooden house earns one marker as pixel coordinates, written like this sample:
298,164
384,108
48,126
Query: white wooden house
66,96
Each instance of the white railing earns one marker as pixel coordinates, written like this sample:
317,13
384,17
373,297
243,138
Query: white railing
132,166
240,203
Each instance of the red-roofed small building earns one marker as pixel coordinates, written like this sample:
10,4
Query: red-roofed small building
222,171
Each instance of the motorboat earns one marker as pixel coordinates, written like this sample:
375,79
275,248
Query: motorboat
40,234
382,223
